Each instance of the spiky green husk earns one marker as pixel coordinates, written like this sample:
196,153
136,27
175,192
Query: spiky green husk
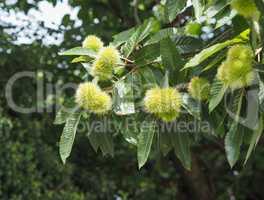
237,71
107,59
93,42
240,52
164,103
199,88
90,97
246,8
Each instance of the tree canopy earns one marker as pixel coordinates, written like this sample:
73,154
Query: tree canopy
171,65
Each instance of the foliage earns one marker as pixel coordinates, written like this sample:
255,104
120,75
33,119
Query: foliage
175,67
164,53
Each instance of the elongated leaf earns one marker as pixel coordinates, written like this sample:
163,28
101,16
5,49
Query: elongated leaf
173,8
193,107
145,139
106,143
65,111
216,8
68,135
233,141
261,91
79,51
83,59
171,58
140,34
206,53
147,55
122,37
216,94
165,143
234,137
61,117
255,138
124,97
161,34
181,144
188,44
94,140
198,8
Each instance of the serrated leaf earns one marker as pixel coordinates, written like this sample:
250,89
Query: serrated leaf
234,137
165,143
61,117
122,37
198,8
255,138
140,34
173,8
124,97
147,54
94,140
217,92
148,77
68,136
171,58
79,51
64,112
128,127
106,143
192,106
188,44
145,138
181,144
161,34
206,53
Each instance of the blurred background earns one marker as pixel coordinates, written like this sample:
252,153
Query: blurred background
31,35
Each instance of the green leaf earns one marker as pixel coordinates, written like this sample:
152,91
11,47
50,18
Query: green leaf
79,51
192,106
140,34
145,139
61,117
255,138
148,77
261,91
68,135
173,8
81,59
198,8
234,137
106,143
147,55
217,92
181,144
124,96
94,139
165,143
233,142
128,127
188,44
206,53
171,58
122,37
64,112
165,82
216,8
161,34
